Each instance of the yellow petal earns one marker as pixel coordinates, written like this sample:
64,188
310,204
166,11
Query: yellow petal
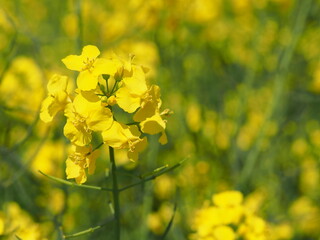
136,83
224,233
72,169
74,62
139,147
82,178
92,161
126,101
100,119
57,83
45,114
150,107
87,81
147,111
115,137
82,106
228,199
77,135
49,108
90,51
153,125
90,96
106,66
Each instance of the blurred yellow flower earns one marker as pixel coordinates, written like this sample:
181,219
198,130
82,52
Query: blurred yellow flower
306,216
24,75
193,117
18,223
228,218
228,199
223,233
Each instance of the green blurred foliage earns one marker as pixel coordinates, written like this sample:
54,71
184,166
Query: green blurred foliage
243,81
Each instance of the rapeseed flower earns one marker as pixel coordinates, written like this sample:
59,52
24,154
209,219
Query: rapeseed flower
228,218
102,85
58,97
90,67
83,117
133,90
78,160
121,136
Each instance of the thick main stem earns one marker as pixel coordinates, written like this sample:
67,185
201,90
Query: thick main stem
115,193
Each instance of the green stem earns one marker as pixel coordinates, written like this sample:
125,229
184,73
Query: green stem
90,230
115,193
75,184
156,173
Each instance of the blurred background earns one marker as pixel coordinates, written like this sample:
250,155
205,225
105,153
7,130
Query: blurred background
241,76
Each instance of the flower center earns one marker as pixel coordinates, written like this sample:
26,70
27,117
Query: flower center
80,123
88,64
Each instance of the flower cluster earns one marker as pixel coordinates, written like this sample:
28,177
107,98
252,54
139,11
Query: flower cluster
228,219
103,85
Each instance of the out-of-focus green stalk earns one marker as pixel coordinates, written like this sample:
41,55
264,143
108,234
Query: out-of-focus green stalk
80,25
302,8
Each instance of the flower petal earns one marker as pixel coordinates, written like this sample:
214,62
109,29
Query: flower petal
78,136
139,147
92,161
126,101
153,125
72,169
90,51
87,81
115,137
136,83
57,83
100,119
106,66
49,108
74,62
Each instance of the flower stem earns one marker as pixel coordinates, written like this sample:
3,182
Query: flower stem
115,193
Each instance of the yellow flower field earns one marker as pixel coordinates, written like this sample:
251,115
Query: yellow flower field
160,119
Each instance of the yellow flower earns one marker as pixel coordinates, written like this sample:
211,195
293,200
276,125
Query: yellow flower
149,115
57,97
90,67
223,233
150,104
205,219
84,117
18,224
80,159
23,74
253,228
228,199
230,206
121,136
133,89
